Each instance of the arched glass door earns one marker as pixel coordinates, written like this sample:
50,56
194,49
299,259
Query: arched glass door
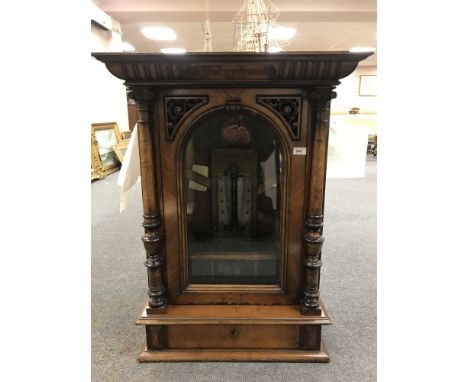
232,176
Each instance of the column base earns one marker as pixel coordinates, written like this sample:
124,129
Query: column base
160,310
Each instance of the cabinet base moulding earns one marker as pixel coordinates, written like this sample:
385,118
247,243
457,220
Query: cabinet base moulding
233,333
235,355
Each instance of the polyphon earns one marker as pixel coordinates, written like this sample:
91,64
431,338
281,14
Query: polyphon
233,155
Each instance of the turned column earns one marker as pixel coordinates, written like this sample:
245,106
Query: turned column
320,98
153,238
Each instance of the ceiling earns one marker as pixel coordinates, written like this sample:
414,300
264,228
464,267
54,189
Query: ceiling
322,25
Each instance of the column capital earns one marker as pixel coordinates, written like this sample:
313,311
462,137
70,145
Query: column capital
321,96
141,95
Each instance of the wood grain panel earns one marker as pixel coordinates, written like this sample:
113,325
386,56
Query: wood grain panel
233,336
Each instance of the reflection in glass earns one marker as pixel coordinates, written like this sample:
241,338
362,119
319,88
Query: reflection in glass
232,170
106,139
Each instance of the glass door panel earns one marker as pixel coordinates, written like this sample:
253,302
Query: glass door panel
232,171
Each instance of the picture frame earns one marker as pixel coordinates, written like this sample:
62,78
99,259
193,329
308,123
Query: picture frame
121,148
104,160
126,135
368,85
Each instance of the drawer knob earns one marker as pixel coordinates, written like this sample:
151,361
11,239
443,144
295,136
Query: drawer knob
233,333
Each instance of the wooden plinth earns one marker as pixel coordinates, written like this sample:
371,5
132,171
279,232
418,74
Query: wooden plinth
233,333
235,355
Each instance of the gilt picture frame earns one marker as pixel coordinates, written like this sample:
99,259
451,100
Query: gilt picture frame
121,148
104,160
126,135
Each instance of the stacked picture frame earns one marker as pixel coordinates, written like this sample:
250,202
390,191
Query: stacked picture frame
104,160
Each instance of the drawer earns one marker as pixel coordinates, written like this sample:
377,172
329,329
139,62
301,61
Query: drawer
233,336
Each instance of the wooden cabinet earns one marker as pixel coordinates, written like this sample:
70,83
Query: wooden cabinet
132,115
233,161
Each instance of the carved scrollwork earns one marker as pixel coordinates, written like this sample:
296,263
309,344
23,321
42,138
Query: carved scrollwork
288,108
176,108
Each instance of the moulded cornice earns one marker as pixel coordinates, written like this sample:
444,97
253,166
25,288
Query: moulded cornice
232,69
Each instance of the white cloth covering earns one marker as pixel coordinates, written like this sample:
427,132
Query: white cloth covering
347,148
130,170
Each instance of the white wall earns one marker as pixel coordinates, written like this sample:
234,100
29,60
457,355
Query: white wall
349,132
108,98
348,93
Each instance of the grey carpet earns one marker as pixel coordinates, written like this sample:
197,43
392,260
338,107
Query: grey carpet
348,288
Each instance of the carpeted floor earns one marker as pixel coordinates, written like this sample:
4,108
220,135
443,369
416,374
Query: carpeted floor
348,289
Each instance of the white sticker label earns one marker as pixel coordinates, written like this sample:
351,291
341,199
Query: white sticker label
300,151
